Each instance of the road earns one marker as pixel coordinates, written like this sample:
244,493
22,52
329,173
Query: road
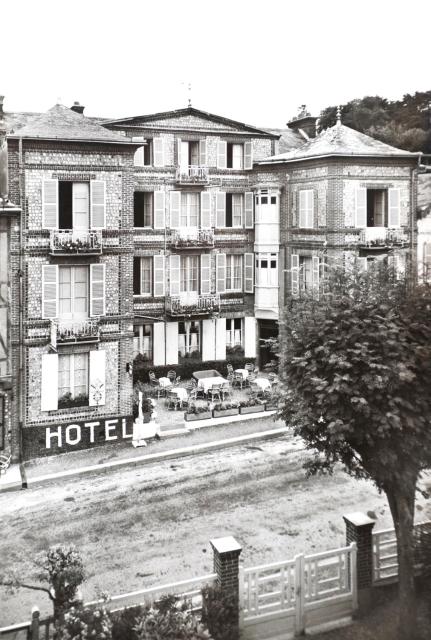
152,525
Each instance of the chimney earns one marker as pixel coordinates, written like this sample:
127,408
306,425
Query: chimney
304,123
78,108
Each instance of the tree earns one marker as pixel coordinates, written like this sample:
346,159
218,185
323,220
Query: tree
356,368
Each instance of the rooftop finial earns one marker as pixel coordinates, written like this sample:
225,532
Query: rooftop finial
190,94
338,115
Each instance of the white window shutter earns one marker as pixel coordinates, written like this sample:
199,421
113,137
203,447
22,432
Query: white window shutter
174,274
98,203
248,272
361,207
221,154
315,274
49,291
202,152
294,274
97,388
248,155
221,272
179,143
174,209
97,289
220,209
159,210
310,208
220,343
208,340
302,208
138,158
205,273
158,152
50,204
159,354
49,383
172,343
159,276
206,210
250,337
394,202
248,208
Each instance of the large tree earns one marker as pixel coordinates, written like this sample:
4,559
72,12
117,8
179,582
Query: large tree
356,368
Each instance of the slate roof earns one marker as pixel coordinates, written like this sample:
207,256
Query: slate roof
61,123
339,140
289,139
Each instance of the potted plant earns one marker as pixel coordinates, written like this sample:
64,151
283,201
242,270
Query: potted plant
251,406
197,412
222,409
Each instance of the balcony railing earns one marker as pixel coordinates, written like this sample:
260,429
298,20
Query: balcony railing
74,331
375,237
192,304
192,174
70,242
192,238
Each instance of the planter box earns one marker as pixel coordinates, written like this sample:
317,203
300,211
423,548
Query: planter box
225,412
270,406
191,417
257,408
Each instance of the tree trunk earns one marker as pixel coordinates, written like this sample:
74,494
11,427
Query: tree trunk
402,505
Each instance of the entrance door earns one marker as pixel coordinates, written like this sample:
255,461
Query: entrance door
267,329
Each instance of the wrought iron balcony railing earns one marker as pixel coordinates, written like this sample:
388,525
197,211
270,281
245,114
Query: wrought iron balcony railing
192,304
192,238
73,331
71,242
193,174
375,237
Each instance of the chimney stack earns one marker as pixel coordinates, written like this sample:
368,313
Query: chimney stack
78,108
304,122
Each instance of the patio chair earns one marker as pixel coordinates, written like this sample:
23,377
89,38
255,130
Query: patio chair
173,401
226,391
238,380
215,392
176,381
249,367
229,368
155,384
4,463
171,375
251,378
193,396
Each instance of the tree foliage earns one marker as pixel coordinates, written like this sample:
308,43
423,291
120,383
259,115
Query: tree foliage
405,123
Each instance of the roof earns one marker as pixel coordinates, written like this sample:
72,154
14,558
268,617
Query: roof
340,140
61,123
147,120
289,139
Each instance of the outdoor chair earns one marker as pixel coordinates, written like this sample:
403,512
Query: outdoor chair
176,381
238,380
249,367
173,401
155,384
215,392
171,375
193,396
4,463
226,391
251,378
229,368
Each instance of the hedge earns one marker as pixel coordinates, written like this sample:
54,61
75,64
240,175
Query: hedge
185,369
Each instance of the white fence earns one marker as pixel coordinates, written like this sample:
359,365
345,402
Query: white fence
286,598
385,559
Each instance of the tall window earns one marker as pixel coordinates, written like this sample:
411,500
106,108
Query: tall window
143,341
233,273
377,205
189,339
74,205
267,269
144,155
305,273
73,292
234,209
189,268
190,206
233,332
143,209
72,380
235,156
142,276
189,153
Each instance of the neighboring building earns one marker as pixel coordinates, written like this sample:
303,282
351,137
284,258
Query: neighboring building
424,223
168,239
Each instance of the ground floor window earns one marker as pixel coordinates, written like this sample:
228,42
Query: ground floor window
189,339
305,273
73,380
234,334
143,341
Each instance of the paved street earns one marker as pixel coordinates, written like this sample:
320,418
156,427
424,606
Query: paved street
150,525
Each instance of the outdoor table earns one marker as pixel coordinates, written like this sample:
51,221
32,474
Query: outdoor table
263,383
180,392
243,372
207,383
164,382
209,373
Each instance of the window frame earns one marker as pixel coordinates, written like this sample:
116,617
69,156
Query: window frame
72,381
145,195
230,272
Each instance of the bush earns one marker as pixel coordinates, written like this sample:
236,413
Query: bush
87,624
185,369
220,613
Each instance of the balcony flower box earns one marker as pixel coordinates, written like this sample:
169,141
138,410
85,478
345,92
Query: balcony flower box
191,417
256,408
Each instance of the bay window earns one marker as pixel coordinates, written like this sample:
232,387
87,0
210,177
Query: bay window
267,270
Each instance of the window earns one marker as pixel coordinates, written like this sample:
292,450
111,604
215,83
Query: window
190,208
267,270
189,339
73,292
305,273
189,153
233,273
189,273
233,332
143,155
306,208
235,155
143,341
234,209
377,206
73,380
143,209
142,276
74,205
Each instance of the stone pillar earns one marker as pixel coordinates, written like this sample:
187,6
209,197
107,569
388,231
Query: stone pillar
359,529
35,623
226,552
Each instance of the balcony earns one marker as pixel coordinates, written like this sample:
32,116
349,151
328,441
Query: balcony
67,242
192,304
192,238
191,175
74,331
380,237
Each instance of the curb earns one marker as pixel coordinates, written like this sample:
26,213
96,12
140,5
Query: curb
158,457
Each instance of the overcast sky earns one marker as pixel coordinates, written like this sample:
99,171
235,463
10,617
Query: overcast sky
251,61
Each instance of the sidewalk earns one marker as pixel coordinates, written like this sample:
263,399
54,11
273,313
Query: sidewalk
107,457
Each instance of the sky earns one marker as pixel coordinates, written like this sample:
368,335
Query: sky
255,62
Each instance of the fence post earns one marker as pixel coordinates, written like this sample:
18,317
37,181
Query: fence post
359,528
226,552
299,594
35,613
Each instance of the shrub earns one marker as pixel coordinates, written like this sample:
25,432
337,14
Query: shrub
87,624
168,620
220,613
